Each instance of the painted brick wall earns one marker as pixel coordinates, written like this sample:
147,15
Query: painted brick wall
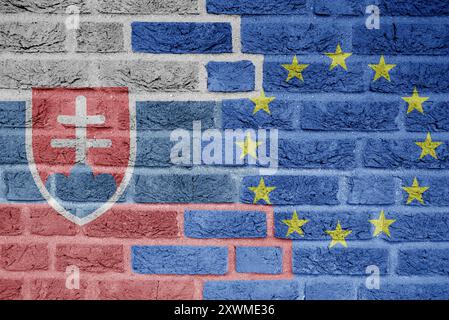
347,150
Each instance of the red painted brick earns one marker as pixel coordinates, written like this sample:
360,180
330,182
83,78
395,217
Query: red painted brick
55,289
11,223
90,258
146,290
128,223
24,257
47,222
10,289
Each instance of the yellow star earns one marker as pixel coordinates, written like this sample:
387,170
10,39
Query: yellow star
415,192
382,224
415,101
338,236
295,70
261,192
382,69
262,103
249,146
294,225
338,58
428,147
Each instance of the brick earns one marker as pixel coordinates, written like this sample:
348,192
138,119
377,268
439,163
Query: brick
25,74
319,222
11,289
338,261
251,290
13,149
420,226
271,36
391,154
20,186
170,115
349,116
291,190
11,223
179,260
371,190
434,118
259,260
248,7
230,76
43,6
341,290
12,114
317,77
427,76
148,7
184,189
153,151
90,258
150,76
320,154
35,37
225,224
423,262
146,290
181,37
401,39
342,8
100,37
55,289
24,257
437,195
406,291
238,114
47,222
416,8
134,223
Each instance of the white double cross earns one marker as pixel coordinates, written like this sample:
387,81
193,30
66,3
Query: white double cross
81,120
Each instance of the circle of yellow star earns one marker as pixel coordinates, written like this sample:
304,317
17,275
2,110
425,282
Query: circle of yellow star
429,147
382,224
261,192
415,192
295,224
338,236
382,69
248,146
295,70
262,103
338,58
415,101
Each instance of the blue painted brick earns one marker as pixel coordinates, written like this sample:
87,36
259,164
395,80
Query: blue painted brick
251,290
419,226
341,290
349,116
436,195
427,76
392,154
340,8
371,190
401,38
230,76
20,186
12,114
259,260
291,190
176,188
238,114
181,37
319,154
338,261
225,224
434,119
179,260
244,7
416,8
153,151
319,222
406,291
423,262
169,115
13,149
287,36
317,77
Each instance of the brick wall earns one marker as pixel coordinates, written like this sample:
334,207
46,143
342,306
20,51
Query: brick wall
347,148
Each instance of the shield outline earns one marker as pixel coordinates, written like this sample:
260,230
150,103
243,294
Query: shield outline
120,189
